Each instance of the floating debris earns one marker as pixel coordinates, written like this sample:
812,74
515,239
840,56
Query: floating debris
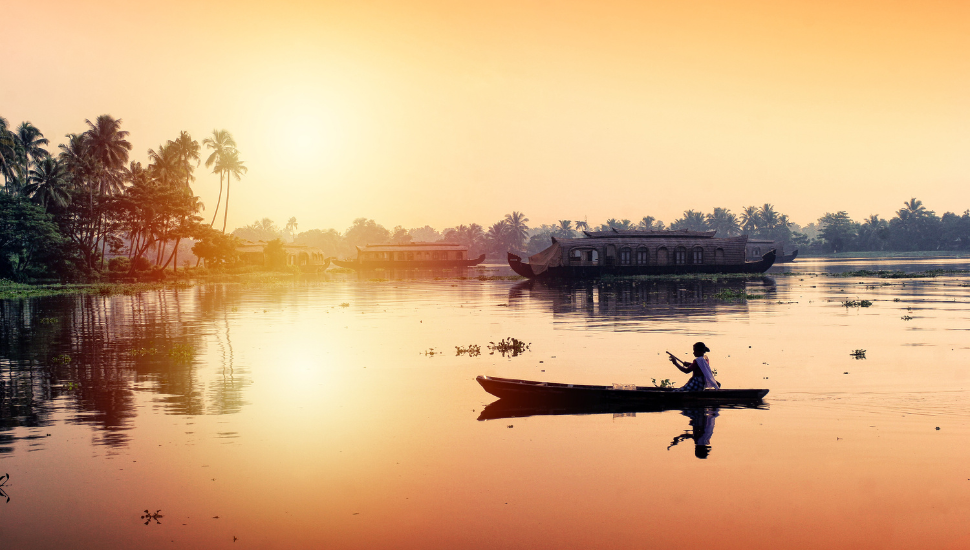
431,352
345,304
856,303
906,318
858,353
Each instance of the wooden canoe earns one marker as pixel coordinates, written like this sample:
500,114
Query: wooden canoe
528,390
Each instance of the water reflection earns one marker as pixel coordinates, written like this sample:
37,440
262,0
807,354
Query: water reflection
409,274
636,300
89,355
701,419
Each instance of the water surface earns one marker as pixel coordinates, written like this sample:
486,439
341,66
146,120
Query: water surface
335,413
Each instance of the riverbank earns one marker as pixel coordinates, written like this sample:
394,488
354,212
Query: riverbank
870,255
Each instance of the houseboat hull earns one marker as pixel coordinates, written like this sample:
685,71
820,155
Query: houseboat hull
408,264
594,271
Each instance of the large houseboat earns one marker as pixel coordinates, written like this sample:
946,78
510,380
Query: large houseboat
411,256
622,253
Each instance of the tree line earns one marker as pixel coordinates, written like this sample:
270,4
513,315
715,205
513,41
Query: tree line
62,215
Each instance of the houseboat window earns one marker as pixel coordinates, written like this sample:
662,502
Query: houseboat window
642,256
625,254
400,256
680,255
757,251
434,255
719,256
410,255
575,255
698,255
444,255
594,256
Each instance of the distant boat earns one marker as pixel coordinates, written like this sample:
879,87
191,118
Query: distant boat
621,253
411,256
756,247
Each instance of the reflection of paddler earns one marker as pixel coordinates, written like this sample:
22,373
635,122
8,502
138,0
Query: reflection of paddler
702,424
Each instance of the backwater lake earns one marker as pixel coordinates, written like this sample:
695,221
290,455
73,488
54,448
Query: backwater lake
337,413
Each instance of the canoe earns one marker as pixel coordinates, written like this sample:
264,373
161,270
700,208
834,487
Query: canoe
528,390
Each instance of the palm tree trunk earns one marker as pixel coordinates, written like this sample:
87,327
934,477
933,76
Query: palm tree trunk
225,211
219,200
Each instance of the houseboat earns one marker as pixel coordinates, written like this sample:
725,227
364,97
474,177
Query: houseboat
307,258
411,256
622,253
756,247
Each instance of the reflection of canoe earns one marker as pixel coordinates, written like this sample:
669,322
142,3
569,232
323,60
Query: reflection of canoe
516,408
530,391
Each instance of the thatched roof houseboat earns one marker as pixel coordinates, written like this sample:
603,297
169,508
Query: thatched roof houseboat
411,256
307,258
640,253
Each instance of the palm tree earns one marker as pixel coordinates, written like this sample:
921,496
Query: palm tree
76,160
498,236
7,152
517,228
565,229
768,217
48,183
232,166
291,226
164,166
723,222
647,223
186,150
29,142
691,221
109,148
912,209
582,225
873,232
750,219
221,143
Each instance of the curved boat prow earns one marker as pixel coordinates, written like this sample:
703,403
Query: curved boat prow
523,269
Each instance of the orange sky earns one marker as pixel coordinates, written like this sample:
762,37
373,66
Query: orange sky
451,112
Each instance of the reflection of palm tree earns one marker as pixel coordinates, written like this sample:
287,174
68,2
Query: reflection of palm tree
220,143
232,166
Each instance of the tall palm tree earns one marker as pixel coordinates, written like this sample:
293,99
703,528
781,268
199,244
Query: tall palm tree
221,143
76,160
232,166
165,165
291,224
108,146
29,144
48,183
646,223
517,227
912,208
186,150
582,225
7,152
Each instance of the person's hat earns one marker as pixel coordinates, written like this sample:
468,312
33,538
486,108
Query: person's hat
700,346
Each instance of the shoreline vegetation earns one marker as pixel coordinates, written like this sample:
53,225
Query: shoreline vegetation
86,214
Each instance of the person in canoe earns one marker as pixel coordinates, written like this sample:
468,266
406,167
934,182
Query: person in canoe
700,370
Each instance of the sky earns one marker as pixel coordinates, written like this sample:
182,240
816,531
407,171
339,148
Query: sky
451,112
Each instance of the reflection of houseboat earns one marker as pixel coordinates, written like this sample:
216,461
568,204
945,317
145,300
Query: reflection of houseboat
411,256
756,247
307,258
640,253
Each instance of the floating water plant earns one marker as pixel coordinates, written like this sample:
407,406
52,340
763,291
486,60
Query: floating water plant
858,353
729,295
508,346
472,350
182,353
62,359
906,318
856,303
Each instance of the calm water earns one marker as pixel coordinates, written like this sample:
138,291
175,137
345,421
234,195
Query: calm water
336,414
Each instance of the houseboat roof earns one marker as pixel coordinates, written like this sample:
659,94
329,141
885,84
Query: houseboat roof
649,234
412,247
